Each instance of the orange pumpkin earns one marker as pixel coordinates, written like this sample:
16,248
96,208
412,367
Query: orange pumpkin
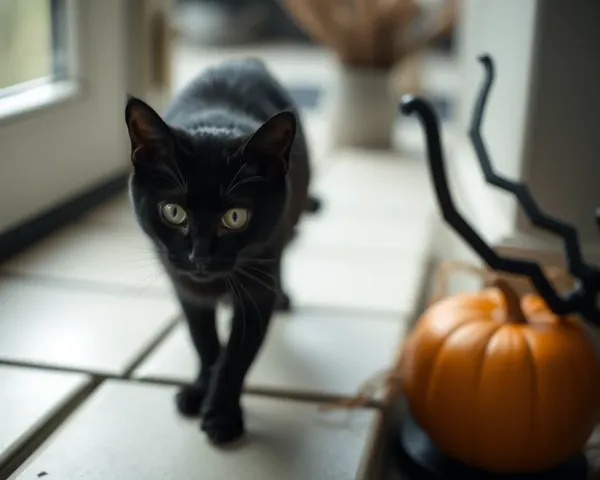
501,383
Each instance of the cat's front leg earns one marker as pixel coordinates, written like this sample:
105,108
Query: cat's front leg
203,332
283,302
222,416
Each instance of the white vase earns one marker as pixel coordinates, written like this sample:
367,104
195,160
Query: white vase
363,109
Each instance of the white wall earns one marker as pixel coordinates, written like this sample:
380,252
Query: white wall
542,123
507,31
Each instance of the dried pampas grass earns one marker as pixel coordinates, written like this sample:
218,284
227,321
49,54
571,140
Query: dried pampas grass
374,34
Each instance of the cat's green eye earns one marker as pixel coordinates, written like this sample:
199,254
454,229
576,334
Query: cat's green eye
173,214
235,218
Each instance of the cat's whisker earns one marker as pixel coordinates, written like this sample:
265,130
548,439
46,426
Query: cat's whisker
179,181
241,306
235,299
138,269
181,177
262,272
243,182
228,290
257,280
235,177
169,178
260,318
148,281
131,259
136,260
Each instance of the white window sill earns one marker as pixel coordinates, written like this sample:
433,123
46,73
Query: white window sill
36,98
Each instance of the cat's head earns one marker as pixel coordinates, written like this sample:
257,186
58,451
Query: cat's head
208,200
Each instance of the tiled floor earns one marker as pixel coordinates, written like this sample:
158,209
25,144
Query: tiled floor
308,352
289,440
90,308
28,399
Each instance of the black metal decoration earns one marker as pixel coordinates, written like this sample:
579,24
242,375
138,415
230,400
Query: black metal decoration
417,456
583,298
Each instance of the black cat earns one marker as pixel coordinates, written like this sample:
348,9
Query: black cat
219,186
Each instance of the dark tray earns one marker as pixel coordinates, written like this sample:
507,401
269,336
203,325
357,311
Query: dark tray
418,458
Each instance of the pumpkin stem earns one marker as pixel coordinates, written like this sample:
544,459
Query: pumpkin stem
513,302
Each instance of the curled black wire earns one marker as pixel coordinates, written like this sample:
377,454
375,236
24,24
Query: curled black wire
580,300
575,264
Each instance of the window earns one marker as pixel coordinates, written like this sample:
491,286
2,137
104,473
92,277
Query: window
33,51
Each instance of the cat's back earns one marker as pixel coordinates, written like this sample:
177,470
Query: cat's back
237,97
240,88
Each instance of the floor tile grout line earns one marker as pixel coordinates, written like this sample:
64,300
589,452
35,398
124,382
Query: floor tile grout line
152,346
310,397
133,365
60,369
351,313
92,286
335,401
30,445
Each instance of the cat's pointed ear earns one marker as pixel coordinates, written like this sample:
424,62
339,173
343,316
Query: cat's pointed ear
273,141
151,138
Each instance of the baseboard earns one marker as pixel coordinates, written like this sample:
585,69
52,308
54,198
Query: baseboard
26,234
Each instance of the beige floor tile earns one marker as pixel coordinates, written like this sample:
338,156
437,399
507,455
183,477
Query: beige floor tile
383,280
305,353
369,246
27,399
349,276
338,225
378,181
375,203
77,329
96,252
318,144
128,431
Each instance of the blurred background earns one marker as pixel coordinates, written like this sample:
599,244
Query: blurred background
81,59
82,301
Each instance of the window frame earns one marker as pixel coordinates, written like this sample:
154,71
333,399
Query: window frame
63,84
51,154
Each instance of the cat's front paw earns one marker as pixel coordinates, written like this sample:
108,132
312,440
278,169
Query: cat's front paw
189,400
223,425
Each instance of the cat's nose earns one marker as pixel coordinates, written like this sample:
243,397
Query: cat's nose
199,263
200,253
